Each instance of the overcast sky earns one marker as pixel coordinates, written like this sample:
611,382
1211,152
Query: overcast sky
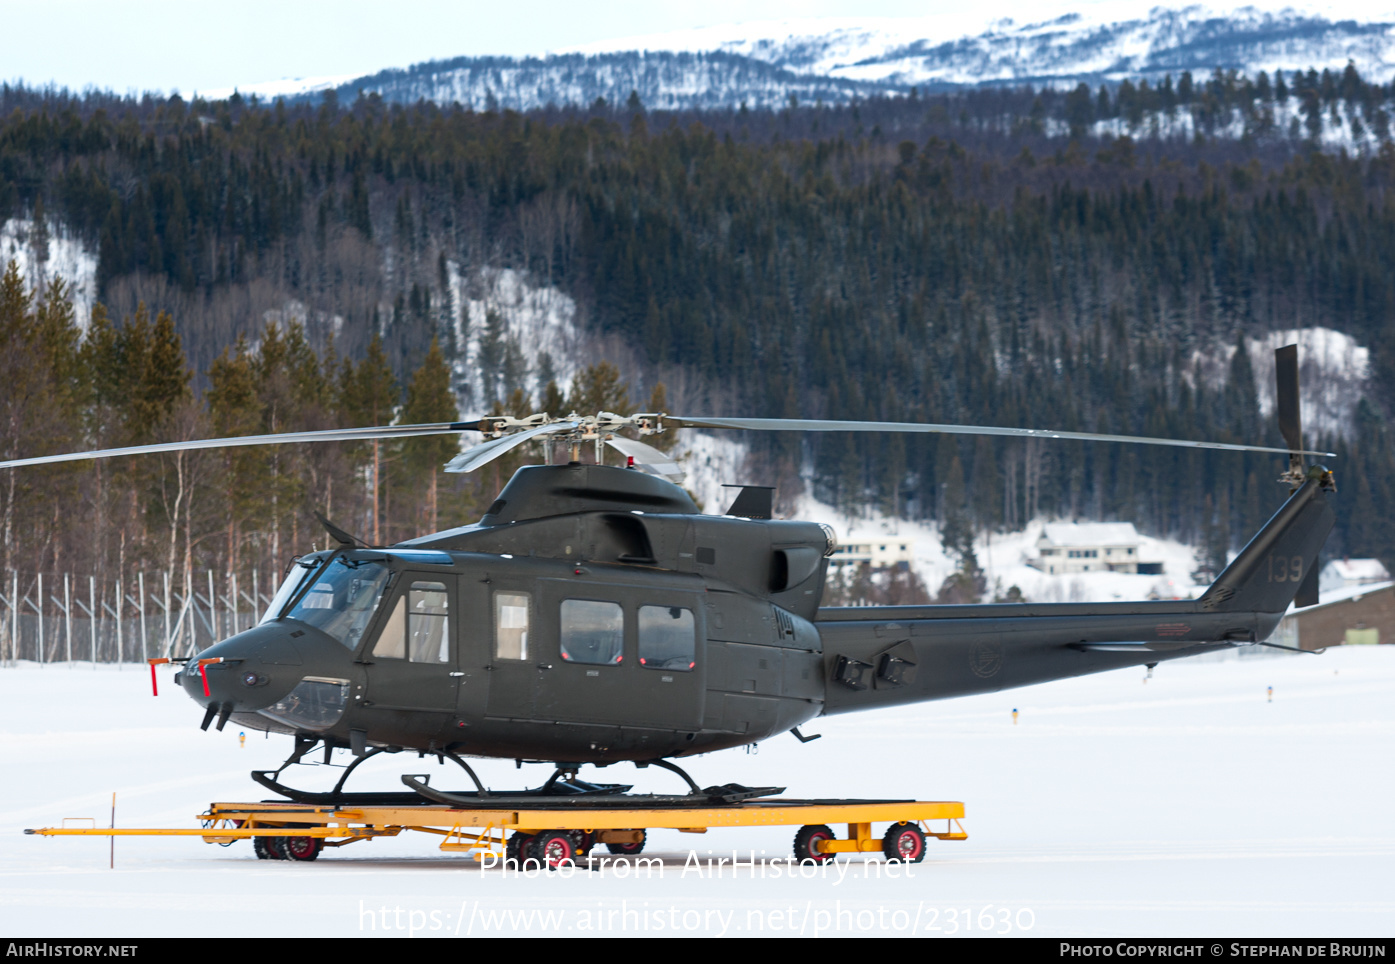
163,45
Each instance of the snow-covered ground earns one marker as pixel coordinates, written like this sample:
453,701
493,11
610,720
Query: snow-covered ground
536,320
1185,805
68,258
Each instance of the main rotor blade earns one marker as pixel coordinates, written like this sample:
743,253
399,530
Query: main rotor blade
283,438
487,452
827,425
1290,417
648,458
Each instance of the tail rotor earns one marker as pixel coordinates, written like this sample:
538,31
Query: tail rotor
1289,412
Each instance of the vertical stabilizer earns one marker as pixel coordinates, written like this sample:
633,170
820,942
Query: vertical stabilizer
1281,558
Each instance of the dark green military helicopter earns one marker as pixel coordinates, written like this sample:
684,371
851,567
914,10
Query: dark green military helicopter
595,616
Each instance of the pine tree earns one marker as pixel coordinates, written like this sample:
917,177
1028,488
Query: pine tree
658,403
967,583
429,399
369,395
235,409
18,373
38,237
599,388
492,347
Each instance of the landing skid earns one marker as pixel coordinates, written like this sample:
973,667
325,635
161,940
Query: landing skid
555,792
600,795
726,793
268,779
562,790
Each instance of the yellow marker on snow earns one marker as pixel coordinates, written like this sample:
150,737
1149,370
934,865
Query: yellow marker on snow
1014,716
242,738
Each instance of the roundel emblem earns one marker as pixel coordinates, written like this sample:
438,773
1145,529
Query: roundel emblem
986,658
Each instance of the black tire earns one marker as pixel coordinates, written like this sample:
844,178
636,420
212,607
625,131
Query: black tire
629,849
301,848
260,848
516,850
805,840
584,840
904,842
552,849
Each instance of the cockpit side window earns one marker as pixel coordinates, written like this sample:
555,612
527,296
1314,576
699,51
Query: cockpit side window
419,627
392,641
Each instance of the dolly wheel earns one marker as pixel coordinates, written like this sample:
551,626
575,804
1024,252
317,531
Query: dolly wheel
301,848
552,849
516,850
269,848
628,849
806,843
584,841
904,842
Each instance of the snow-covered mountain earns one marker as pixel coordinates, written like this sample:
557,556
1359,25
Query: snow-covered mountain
1065,45
664,80
764,64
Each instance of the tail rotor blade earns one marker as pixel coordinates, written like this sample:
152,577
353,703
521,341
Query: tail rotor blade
1290,418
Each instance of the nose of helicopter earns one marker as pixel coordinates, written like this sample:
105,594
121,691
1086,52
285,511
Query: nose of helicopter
246,672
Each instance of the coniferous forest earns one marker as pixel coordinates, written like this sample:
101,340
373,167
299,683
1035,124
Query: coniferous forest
978,257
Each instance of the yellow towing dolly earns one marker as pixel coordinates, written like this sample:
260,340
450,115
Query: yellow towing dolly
554,834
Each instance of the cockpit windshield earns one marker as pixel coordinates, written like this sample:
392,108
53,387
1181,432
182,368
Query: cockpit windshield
300,571
343,599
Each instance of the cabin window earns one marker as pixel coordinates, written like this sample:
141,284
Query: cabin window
592,631
667,638
511,625
428,623
419,627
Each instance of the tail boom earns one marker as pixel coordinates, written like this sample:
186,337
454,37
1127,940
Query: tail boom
904,654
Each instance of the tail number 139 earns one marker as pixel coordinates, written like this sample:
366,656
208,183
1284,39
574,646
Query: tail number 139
1285,568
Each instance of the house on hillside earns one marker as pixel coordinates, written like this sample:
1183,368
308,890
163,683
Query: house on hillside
887,553
1070,547
1341,573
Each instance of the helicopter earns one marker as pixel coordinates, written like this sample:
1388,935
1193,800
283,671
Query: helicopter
595,616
